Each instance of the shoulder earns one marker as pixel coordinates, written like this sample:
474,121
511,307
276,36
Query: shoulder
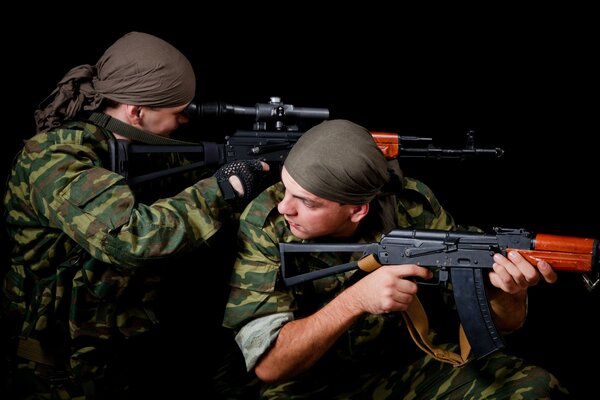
60,155
419,207
261,224
71,133
264,206
413,190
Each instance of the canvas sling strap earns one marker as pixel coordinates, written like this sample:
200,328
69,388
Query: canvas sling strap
418,326
130,132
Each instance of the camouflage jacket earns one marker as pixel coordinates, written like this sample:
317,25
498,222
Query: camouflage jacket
83,248
257,289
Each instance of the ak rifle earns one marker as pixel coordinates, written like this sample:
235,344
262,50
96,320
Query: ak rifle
460,258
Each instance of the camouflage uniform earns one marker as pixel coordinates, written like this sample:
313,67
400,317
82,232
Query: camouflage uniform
375,358
87,257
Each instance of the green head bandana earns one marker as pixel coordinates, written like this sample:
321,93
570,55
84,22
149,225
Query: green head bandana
138,69
339,161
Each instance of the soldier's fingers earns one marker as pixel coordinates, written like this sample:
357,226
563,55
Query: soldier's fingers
510,271
529,272
547,272
257,165
411,270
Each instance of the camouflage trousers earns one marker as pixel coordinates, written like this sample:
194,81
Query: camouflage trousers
498,376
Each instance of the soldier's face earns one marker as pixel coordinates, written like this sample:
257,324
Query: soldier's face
310,216
162,121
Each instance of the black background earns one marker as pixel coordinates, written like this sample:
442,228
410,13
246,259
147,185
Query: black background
526,82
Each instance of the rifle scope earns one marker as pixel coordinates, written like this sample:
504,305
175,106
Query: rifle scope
274,110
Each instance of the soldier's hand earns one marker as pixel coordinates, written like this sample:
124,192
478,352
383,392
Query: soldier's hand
239,179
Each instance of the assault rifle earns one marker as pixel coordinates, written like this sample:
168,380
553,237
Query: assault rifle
461,258
275,130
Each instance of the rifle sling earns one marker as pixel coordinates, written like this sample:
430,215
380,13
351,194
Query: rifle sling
130,132
418,327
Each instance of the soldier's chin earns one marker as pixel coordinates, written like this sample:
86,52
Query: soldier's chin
298,233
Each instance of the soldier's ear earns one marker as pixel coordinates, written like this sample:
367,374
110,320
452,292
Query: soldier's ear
134,114
357,213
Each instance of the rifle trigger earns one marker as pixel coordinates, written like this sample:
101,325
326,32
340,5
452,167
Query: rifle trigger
443,275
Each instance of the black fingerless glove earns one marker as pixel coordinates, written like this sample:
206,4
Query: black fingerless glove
248,171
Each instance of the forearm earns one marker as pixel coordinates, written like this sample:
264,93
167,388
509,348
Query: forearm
301,343
109,225
509,310
178,223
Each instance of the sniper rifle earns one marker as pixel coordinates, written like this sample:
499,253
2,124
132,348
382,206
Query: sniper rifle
275,130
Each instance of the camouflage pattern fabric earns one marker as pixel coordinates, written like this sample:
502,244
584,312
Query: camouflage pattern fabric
87,256
375,358
497,377
256,286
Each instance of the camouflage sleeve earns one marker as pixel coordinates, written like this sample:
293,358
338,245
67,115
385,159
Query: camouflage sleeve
96,208
254,291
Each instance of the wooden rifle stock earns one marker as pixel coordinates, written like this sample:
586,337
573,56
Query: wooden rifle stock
564,253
